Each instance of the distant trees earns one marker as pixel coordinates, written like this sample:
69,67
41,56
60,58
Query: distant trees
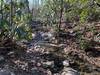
15,14
36,6
84,10
56,12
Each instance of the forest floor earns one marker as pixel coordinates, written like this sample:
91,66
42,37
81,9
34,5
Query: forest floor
36,57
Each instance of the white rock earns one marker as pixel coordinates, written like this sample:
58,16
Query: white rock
48,63
33,35
1,58
49,72
69,71
47,35
66,63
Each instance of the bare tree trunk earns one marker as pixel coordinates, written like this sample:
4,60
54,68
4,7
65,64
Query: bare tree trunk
61,13
11,18
1,19
27,5
60,20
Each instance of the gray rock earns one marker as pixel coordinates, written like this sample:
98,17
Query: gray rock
46,36
5,72
48,64
37,71
56,74
2,58
49,72
69,71
37,37
66,63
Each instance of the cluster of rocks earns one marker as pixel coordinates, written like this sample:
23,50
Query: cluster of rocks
53,66
66,70
47,68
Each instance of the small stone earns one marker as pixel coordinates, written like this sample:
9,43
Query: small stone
11,53
66,63
48,63
69,71
36,71
5,72
1,58
56,74
38,64
49,72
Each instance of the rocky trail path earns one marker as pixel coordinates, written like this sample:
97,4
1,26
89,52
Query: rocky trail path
43,57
